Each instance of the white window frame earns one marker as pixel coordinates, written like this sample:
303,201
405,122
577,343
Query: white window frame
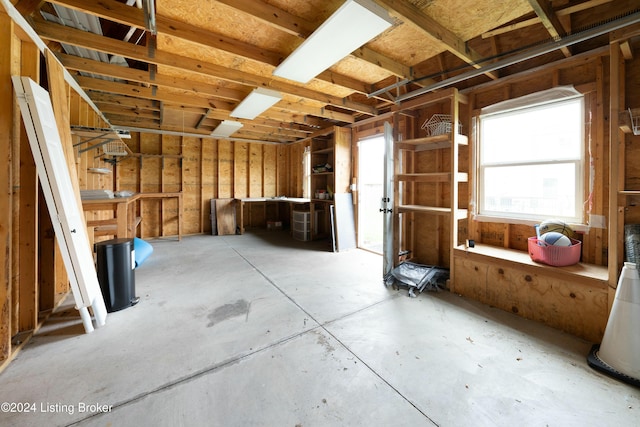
530,103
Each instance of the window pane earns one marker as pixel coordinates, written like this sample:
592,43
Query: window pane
530,191
546,132
531,162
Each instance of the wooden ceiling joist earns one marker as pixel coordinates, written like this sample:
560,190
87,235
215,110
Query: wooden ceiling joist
550,21
450,41
115,11
91,41
533,21
198,70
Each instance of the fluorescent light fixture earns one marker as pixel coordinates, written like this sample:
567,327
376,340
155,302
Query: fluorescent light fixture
226,128
256,103
351,26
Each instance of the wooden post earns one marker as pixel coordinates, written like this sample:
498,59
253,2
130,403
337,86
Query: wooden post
6,122
614,154
454,167
28,246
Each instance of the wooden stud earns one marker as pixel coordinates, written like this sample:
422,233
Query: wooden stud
7,116
14,247
28,220
614,161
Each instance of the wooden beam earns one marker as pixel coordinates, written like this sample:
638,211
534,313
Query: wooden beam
117,72
218,109
28,220
550,21
91,41
282,20
433,28
7,116
131,16
108,109
533,21
129,107
626,50
614,154
576,60
202,119
618,36
273,16
27,7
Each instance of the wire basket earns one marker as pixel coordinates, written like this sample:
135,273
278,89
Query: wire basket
439,124
115,148
558,256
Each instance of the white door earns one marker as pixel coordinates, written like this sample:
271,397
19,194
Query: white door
46,146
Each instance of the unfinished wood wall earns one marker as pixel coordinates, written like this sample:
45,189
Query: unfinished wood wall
576,301
589,75
32,272
202,169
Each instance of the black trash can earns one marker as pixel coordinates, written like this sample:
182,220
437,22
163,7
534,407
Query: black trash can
115,268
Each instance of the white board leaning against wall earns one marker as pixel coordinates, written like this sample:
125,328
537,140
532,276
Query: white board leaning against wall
46,146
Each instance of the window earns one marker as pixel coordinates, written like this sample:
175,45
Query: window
531,162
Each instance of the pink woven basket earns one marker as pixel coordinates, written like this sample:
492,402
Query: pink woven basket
558,256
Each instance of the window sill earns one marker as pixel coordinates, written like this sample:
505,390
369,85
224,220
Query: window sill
578,228
594,274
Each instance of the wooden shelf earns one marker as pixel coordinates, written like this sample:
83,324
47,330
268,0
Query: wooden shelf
435,210
333,149
433,160
432,142
323,151
432,177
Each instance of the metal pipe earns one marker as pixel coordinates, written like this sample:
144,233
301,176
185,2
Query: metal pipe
537,51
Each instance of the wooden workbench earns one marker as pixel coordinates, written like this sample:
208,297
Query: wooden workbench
264,200
124,221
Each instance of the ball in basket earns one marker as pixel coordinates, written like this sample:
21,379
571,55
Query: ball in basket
555,238
557,226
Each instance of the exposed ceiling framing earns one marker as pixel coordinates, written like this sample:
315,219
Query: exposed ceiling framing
182,66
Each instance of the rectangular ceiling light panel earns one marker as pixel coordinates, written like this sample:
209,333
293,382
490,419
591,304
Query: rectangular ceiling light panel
256,103
351,26
226,128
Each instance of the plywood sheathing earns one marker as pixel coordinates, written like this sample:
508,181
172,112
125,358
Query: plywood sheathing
587,75
237,25
188,180
466,25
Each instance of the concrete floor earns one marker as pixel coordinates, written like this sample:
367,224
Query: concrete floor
262,330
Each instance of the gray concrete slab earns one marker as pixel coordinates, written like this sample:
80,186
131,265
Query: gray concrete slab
260,329
467,364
